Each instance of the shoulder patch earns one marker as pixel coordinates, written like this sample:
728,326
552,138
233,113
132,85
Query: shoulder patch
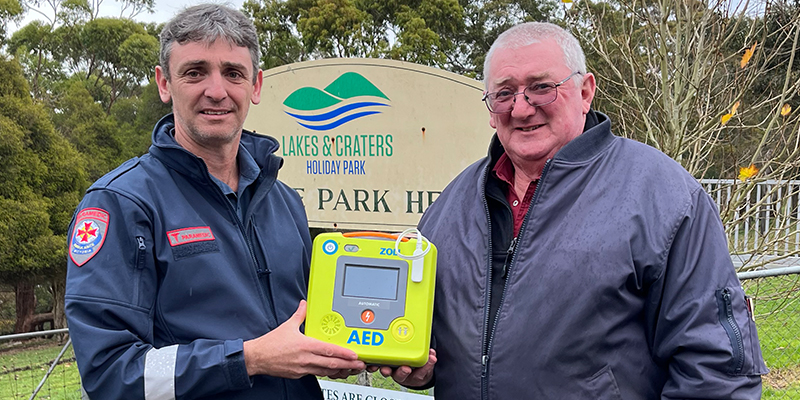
88,234
189,235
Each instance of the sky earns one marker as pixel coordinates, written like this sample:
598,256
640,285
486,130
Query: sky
163,10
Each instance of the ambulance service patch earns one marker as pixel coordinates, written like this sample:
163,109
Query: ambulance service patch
88,235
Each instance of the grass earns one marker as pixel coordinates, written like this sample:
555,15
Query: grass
379,381
777,303
23,365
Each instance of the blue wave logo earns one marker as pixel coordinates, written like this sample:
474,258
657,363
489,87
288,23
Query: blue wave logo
348,98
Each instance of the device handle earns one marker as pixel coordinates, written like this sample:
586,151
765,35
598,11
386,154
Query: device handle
383,235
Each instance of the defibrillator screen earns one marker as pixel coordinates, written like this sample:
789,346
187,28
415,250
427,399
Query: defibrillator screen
370,282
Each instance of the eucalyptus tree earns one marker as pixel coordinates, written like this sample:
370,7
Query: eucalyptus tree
448,34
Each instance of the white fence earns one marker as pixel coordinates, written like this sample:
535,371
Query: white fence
760,218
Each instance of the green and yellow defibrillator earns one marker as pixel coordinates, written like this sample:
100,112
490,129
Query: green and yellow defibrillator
372,293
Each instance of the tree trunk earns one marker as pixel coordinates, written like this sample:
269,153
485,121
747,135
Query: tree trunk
26,304
59,288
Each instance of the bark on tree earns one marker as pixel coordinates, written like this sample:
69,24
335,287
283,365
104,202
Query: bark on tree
25,304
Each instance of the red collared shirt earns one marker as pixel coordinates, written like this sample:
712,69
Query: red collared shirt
504,170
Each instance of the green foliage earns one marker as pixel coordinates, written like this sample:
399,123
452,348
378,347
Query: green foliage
41,178
334,28
86,125
138,54
273,21
102,38
136,118
449,34
9,10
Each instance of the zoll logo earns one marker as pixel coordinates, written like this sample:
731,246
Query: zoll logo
349,97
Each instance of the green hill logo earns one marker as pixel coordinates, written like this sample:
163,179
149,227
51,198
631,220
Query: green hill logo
349,97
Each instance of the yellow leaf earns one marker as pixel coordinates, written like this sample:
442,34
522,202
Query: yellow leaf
747,172
748,54
734,108
725,118
786,109
566,1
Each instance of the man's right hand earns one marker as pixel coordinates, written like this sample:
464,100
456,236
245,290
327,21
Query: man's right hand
408,376
287,353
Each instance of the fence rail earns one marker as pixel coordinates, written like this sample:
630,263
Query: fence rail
761,217
47,370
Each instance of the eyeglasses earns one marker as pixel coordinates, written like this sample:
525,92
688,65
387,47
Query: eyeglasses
538,94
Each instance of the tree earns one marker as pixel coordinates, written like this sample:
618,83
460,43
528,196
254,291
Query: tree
10,10
115,55
84,123
448,34
41,179
679,75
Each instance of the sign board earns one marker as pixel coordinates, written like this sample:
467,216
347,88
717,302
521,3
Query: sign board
343,391
370,143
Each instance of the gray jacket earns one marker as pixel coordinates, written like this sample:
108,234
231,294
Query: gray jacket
621,286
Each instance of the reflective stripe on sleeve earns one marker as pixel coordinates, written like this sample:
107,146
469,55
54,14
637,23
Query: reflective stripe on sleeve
159,373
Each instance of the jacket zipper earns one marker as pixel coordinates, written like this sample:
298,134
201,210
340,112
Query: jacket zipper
509,255
506,270
141,253
265,273
732,329
256,269
485,338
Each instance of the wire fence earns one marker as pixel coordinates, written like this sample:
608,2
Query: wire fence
776,297
41,365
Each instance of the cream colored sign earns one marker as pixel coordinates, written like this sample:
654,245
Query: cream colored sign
369,143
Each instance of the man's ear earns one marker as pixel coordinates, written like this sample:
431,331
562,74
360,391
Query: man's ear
588,88
256,96
163,85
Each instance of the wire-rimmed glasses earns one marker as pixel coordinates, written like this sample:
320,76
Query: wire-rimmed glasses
537,94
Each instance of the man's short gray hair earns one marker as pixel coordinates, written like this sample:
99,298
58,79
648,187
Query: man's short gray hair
206,23
534,32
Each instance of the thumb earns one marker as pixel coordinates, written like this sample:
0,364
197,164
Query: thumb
299,315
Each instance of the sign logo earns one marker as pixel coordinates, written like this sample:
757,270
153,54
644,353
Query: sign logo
88,234
349,97
189,235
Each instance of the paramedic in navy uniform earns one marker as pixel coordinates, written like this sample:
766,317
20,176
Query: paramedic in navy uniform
575,264
188,266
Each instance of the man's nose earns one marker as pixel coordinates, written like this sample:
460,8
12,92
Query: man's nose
215,88
522,108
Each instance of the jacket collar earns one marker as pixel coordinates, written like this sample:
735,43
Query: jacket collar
169,152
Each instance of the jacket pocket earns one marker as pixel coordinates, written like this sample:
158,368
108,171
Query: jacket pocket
759,367
734,318
604,386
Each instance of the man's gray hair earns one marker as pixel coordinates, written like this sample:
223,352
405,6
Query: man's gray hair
534,32
206,23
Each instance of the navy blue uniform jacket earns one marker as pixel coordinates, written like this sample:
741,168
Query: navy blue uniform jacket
165,282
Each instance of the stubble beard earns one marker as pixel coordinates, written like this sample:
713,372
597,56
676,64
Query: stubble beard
211,139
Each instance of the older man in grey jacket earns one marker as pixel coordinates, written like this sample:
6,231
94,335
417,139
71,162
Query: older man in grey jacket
575,264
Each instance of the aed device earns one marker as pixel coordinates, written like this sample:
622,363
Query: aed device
372,292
